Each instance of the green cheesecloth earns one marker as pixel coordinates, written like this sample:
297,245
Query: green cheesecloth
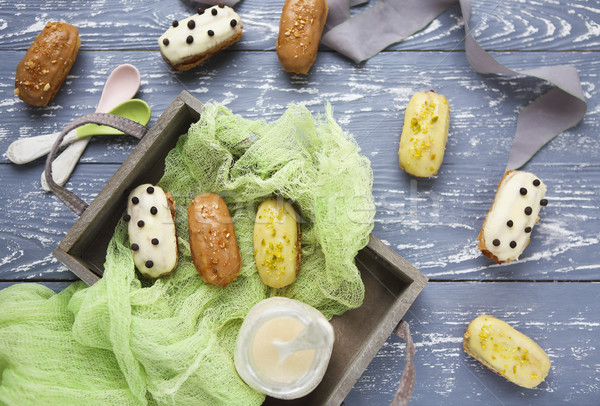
128,340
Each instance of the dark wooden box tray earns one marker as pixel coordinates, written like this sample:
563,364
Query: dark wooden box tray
391,283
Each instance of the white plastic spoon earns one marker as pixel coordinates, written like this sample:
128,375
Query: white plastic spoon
122,84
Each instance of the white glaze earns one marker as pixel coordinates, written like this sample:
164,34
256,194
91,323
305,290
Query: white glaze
178,49
509,204
159,225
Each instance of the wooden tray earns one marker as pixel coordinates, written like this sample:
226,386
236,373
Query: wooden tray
391,283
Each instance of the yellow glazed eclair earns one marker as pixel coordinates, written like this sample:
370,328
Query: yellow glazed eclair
506,351
277,242
424,134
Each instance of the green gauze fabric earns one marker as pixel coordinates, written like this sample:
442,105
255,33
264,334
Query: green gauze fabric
132,341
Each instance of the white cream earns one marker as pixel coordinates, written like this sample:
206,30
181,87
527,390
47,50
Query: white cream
507,221
258,359
266,354
217,20
151,231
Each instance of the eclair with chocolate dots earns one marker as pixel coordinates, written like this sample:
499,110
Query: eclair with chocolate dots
508,226
189,42
151,227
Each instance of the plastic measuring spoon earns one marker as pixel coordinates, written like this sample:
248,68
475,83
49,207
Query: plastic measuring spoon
28,149
122,84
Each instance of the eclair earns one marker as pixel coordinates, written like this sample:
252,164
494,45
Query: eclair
506,351
46,64
277,249
191,41
213,243
424,134
151,227
508,226
300,29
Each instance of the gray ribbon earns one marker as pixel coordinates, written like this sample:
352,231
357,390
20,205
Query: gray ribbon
125,125
388,22
407,381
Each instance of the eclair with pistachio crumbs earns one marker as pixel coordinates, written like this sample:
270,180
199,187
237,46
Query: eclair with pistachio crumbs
424,134
277,249
506,351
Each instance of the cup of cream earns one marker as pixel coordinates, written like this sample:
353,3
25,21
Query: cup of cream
283,348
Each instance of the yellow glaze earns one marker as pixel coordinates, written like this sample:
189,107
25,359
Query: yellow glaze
424,134
506,351
276,244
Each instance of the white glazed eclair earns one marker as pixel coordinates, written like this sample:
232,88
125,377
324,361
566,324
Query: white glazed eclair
189,42
424,134
152,234
506,230
506,351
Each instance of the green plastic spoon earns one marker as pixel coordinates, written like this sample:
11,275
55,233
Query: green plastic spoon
134,109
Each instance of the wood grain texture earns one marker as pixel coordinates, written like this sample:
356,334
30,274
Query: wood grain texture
497,25
550,294
433,222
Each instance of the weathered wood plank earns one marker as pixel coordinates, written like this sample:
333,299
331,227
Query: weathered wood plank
567,329
125,24
369,102
432,223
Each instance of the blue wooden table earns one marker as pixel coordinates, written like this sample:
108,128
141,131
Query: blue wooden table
550,294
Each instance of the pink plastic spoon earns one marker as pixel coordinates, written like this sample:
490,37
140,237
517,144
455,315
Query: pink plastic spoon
122,84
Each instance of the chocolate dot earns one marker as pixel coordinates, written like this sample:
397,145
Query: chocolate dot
528,210
166,41
496,242
153,210
150,190
536,182
155,241
135,200
149,264
221,4
189,39
200,11
527,229
233,23
544,202
523,191
513,244
140,223
135,247
191,24
509,223
175,23
127,217
213,11
211,33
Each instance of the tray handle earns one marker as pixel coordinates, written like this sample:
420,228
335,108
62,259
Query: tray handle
125,125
